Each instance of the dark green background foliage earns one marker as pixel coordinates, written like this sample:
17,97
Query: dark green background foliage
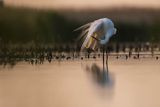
138,32
27,25
22,25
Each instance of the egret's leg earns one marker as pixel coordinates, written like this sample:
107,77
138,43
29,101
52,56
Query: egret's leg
107,61
103,57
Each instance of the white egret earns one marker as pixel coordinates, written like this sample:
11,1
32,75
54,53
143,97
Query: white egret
97,33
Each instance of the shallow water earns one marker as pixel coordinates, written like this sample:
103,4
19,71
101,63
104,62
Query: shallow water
129,83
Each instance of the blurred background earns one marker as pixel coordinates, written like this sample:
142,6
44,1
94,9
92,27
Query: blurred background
53,21
40,25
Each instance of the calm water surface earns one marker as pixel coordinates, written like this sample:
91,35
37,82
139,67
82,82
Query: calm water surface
129,83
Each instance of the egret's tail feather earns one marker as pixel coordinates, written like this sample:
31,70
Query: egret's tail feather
83,27
82,35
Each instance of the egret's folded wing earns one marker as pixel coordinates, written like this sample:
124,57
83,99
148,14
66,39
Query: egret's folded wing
95,27
93,32
82,35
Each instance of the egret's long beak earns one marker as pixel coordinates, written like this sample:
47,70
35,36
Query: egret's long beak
95,38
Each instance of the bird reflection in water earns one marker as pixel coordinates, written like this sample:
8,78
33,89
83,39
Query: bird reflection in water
100,75
102,79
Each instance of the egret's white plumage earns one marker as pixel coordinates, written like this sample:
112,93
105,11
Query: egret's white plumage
97,33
